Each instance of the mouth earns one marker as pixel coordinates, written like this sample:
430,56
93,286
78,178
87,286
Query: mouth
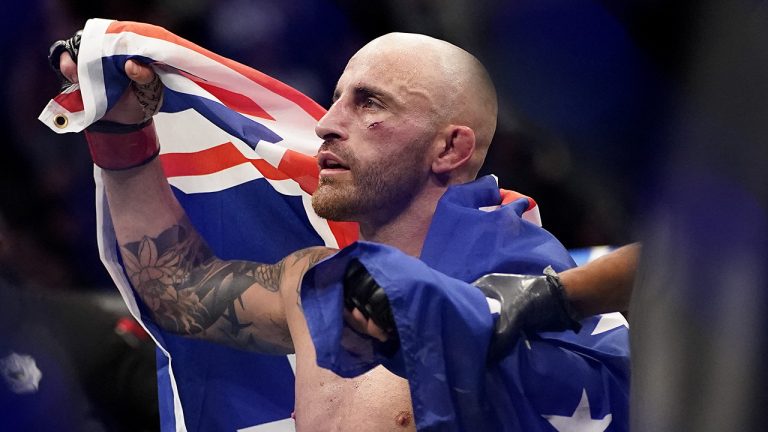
330,164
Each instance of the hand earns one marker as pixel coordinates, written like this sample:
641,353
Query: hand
125,137
366,307
139,102
364,325
532,303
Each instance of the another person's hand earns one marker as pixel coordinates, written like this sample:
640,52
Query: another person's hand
528,303
532,303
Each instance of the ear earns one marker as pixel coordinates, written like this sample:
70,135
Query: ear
456,149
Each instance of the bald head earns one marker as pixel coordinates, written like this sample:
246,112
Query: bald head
411,116
454,85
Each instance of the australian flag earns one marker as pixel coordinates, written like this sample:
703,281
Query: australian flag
554,381
237,148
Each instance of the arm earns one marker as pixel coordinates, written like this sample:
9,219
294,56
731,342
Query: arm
191,292
557,302
533,303
603,285
187,290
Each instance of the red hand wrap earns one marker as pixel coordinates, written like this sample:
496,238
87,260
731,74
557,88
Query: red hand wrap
118,147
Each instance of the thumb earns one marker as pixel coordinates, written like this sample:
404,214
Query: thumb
139,72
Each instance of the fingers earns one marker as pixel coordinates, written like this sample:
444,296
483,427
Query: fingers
68,67
361,324
374,330
369,327
136,71
137,104
353,321
139,72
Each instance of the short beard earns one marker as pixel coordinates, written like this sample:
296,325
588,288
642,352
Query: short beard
337,201
375,194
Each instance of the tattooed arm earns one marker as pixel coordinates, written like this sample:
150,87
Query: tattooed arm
189,291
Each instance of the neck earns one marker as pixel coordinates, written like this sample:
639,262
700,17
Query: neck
407,229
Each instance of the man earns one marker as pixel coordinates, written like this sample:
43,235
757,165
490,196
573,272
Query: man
392,147
411,117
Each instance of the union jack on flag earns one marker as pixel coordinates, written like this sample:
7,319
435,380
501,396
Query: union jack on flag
238,150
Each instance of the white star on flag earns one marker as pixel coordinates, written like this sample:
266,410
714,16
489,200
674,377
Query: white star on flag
610,321
581,420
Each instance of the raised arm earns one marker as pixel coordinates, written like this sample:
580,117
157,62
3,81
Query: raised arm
187,290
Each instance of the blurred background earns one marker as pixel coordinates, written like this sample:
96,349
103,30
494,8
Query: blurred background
585,89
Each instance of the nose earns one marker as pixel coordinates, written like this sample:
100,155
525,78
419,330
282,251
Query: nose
332,125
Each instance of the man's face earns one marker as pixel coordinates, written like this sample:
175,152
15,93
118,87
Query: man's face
377,137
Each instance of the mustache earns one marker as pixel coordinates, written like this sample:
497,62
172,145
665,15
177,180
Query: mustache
342,152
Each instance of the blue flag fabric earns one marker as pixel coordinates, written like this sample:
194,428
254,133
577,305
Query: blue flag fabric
237,147
497,239
549,381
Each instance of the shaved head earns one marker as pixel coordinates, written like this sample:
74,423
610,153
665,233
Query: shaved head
456,85
411,116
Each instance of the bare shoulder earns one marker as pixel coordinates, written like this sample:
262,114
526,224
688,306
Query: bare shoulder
296,265
308,257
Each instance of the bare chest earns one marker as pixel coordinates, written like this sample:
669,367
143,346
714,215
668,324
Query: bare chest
377,401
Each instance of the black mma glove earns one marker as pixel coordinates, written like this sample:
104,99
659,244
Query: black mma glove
530,303
362,292
72,46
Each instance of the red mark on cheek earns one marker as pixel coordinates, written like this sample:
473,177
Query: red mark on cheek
374,124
